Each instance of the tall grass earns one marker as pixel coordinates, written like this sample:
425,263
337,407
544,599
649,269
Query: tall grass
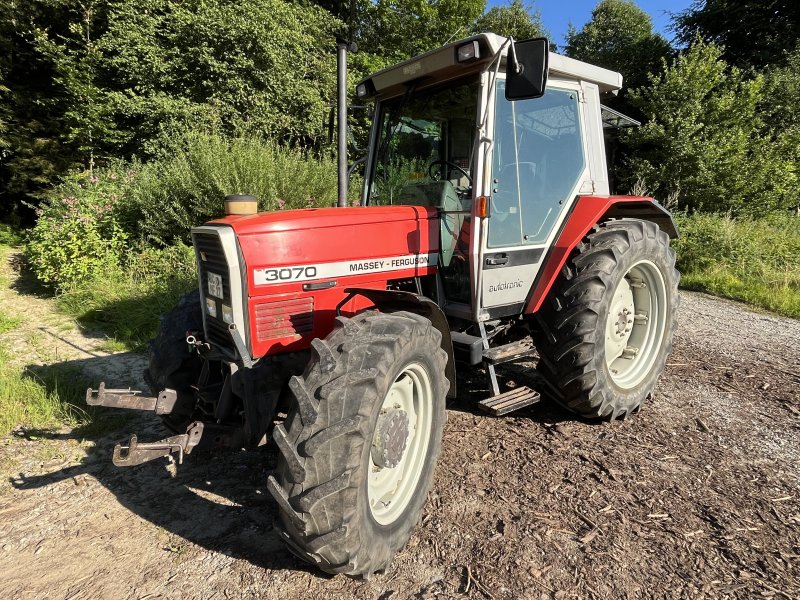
126,303
175,194
38,401
753,260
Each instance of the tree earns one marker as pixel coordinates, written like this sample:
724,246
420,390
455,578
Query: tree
89,80
781,106
705,145
399,29
620,37
754,33
517,19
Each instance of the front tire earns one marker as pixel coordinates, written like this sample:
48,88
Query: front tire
170,362
361,440
606,329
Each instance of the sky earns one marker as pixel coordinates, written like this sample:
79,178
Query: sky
556,14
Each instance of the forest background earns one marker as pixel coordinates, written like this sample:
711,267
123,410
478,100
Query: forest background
125,122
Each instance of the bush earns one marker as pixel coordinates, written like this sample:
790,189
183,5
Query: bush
753,260
9,236
80,228
126,304
177,193
706,143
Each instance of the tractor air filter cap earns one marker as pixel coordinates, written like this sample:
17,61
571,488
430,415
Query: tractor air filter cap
241,205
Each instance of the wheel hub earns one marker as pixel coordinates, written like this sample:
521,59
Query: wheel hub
624,321
635,324
391,436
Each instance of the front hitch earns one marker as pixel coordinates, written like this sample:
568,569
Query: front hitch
132,399
217,435
135,453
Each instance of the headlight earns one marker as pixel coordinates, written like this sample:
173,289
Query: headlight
227,314
211,307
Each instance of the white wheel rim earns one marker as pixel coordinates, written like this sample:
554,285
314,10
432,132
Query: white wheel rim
635,324
389,490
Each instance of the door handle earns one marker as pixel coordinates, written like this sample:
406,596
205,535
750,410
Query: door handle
498,260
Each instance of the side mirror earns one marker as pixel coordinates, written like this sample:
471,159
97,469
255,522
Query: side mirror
526,69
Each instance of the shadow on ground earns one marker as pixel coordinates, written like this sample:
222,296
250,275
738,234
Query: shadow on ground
217,501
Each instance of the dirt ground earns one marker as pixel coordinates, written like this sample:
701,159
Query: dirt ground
695,497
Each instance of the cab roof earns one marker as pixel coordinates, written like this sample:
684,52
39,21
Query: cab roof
442,64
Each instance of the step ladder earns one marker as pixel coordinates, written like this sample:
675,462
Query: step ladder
509,401
503,403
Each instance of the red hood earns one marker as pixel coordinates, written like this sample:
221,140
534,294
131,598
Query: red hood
317,218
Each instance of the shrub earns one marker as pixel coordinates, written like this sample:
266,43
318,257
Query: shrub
127,303
177,193
753,260
9,236
80,228
706,142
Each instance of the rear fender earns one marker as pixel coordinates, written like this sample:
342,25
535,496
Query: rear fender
588,212
392,300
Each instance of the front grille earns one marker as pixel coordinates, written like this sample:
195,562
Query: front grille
211,259
284,318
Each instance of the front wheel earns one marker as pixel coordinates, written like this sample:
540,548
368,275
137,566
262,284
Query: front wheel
606,329
361,441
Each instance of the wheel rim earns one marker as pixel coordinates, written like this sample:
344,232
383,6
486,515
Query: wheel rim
391,488
635,324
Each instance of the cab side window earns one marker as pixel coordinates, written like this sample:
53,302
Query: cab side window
538,162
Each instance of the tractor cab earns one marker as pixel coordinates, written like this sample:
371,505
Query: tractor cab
453,131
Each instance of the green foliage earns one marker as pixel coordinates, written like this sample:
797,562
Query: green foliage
755,261
177,193
8,323
38,401
394,176
754,33
96,79
516,19
259,65
9,236
705,145
395,30
80,230
620,37
126,304
781,103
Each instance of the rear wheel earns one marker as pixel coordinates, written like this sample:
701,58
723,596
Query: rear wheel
361,440
606,330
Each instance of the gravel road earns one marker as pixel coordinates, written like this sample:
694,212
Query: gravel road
695,497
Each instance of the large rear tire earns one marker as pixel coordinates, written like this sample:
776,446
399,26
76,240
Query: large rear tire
605,331
361,440
170,362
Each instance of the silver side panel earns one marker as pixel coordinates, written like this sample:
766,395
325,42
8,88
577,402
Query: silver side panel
229,246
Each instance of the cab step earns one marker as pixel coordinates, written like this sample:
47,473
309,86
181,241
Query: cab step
508,352
512,400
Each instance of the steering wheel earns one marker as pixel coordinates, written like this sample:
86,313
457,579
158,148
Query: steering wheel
449,164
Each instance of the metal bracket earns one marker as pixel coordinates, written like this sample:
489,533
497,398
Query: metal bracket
489,366
135,453
238,342
131,399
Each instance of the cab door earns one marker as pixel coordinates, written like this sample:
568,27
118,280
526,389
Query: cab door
538,168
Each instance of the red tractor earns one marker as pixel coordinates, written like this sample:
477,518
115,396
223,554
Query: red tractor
486,234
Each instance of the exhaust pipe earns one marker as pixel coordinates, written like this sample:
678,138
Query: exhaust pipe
342,46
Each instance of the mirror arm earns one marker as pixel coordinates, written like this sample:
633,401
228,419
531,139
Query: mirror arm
512,51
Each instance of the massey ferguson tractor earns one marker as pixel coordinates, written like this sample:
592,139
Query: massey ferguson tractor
485,234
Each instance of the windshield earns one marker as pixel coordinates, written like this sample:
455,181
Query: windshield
425,146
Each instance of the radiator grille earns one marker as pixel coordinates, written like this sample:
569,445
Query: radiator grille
284,318
211,259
